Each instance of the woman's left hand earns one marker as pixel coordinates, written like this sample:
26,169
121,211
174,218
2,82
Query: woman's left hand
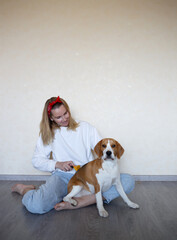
65,166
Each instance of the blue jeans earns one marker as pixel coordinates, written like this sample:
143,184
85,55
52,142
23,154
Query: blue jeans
52,192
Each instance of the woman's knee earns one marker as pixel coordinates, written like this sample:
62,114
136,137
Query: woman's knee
128,182
32,204
44,199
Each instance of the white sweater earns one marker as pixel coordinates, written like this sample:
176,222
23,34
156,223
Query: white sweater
68,145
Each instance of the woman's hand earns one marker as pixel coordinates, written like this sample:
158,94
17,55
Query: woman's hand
64,166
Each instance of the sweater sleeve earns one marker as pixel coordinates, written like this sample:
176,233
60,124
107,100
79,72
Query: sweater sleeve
40,159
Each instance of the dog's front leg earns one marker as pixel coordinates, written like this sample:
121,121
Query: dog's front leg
124,196
99,202
75,190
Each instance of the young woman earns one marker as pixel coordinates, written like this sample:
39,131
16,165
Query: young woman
71,143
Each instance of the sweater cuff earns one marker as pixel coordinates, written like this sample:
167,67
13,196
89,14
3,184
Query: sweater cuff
51,166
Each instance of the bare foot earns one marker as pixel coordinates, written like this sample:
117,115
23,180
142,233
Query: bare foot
21,188
63,206
81,202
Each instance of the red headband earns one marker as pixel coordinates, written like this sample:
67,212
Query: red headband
51,105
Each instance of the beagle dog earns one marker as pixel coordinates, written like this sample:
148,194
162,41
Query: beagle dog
99,175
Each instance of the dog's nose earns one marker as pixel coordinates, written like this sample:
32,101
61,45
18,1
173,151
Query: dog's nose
108,153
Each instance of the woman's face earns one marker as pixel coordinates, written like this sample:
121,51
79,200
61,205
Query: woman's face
61,116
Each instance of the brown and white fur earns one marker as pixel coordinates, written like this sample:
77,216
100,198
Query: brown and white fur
99,175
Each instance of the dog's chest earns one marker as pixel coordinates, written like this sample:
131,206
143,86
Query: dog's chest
107,176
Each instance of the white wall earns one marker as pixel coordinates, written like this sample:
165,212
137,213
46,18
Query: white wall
113,61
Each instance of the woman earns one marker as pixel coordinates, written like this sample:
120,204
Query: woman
71,143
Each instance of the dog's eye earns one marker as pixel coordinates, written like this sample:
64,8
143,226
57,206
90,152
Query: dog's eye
113,146
103,145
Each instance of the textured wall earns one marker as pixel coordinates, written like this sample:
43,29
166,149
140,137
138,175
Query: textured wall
113,61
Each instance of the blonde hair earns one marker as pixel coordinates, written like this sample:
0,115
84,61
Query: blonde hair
48,127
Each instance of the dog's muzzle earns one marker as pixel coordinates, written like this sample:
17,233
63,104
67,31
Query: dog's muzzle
109,155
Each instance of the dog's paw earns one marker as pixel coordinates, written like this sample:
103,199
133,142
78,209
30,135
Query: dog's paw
70,200
73,202
65,199
134,205
103,213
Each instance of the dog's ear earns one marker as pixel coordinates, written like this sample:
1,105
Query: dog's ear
98,150
120,150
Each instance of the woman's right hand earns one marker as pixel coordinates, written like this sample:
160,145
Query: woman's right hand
64,166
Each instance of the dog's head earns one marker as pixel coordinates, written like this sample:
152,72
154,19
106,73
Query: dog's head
108,149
